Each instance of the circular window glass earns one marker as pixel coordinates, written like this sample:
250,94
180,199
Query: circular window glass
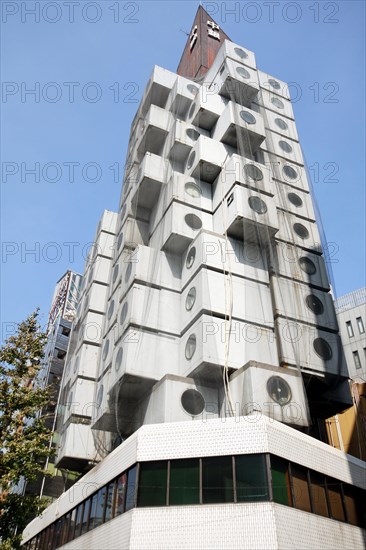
243,72
100,394
190,258
124,313
274,84
322,348
248,117
281,123
285,146
110,309
191,158
301,231
277,103
118,361
128,272
257,205
191,298
115,273
295,199
253,172
290,172
105,350
307,266
192,89
314,304
193,402
119,241
190,346
241,53
279,390
192,110
192,134
193,221
193,190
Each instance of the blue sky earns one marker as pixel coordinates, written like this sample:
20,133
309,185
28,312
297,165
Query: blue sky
88,68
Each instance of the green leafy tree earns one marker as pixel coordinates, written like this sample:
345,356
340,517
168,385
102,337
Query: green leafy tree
24,438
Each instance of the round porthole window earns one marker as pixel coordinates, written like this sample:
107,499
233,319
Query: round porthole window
243,72
277,103
110,309
190,161
307,266
193,221
115,273
279,390
295,199
301,231
191,298
281,123
191,257
190,346
274,84
193,190
118,361
128,272
192,89
289,172
241,53
285,146
257,205
100,395
322,349
192,134
253,172
193,402
248,117
105,350
314,304
124,313
120,240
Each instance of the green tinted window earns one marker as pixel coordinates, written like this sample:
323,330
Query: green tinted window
280,481
184,482
217,479
251,478
152,483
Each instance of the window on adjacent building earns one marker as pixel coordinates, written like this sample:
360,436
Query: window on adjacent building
184,481
65,331
280,481
349,329
251,478
335,498
131,489
356,359
360,325
152,483
300,488
319,494
217,479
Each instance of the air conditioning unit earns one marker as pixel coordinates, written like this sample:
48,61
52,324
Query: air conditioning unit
275,392
175,399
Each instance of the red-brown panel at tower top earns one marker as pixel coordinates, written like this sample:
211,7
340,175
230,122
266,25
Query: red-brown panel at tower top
204,41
